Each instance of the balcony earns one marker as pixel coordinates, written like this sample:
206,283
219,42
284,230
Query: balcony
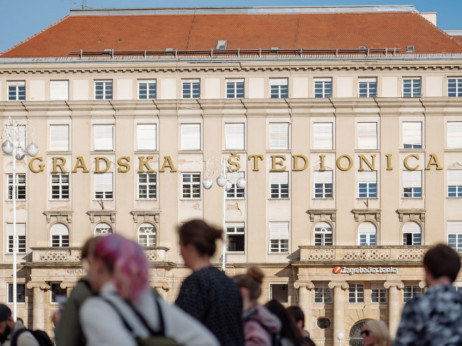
338,255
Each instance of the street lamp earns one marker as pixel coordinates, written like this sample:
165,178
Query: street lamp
223,182
12,146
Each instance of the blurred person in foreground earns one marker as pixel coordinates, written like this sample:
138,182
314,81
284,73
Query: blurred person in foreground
290,334
9,328
260,325
208,294
68,331
375,333
126,310
298,316
434,317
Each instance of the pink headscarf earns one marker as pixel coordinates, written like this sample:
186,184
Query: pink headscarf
128,262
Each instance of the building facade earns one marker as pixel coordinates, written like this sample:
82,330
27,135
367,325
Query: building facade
349,141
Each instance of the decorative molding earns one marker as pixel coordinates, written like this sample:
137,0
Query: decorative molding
411,215
309,285
398,284
38,284
366,215
107,216
145,216
322,214
60,216
338,284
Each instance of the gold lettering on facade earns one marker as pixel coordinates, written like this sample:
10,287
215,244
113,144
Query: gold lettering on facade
350,162
145,163
255,159
80,164
41,166
364,159
168,164
433,161
59,162
323,158
98,164
234,164
296,168
278,166
406,163
389,167
123,163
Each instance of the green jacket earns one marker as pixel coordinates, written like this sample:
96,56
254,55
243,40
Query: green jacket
68,332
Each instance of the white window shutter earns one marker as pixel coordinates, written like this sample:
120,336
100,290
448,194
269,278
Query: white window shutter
279,177
234,136
411,227
367,228
103,136
103,182
279,135
412,133
324,177
146,136
279,230
59,90
278,81
323,227
454,177
190,137
367,177
59,229
20,229
454,227
454,135
412,178
322,134
59,137
367,135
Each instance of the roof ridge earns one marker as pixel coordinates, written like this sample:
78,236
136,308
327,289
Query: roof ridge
436,27
31,37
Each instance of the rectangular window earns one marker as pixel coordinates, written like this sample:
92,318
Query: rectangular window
410,292
323,235
147,185
235,88
190,136
412,87
20,186
378,295
322,87
235,235
278,136
103,186
454,134
57,294
454,183
59,137
59,90
191,185
279,88
60,186
191,88
16,91
103,137
356,293
367,184
322,136
454,87
412,184
235,136
279,184
280,292
322,294
412,238
367,135
20,237
20,293
454,229
235,191
367,87
412,135
146,136
279,237
103,90
147,89
323,186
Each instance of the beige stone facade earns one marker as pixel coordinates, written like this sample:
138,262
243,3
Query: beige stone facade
343,192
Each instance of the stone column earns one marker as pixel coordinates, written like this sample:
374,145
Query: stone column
395,304
304,295
38,304
339,288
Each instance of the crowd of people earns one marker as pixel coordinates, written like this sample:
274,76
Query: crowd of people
114,304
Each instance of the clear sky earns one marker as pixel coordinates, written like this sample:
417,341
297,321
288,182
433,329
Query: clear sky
20,19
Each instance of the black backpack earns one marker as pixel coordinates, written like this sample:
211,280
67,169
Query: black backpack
41,336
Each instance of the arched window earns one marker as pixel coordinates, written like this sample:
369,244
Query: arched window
59,235
323,234
102,229
412,233
147,235
367,234
355,334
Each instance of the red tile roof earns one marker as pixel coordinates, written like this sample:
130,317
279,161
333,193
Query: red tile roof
243,31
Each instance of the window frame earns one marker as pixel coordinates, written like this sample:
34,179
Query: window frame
407,135
152,234
279,88
454,183
151,92
21,187
192,185
52,142
369,235
364,142
413,192
457,87
55,93
235,88
364,87
454,136
10,288
187,143
326,86
21,235
415,91
107,89
381,294
271,284
238,231
103,228
454,230
279,135
194,91
148,183
322,294
412,231
61,187
323,190
141,140
18,88
98,141
279,189
106,195
281,243
323,239
60,233
320,138
235,192
233,132
355,293
412,291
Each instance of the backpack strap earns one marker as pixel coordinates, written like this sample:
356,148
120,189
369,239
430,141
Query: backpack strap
16,335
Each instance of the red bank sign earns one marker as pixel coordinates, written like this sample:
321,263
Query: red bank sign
365,270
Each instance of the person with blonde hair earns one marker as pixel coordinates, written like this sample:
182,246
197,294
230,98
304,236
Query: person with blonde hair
375,333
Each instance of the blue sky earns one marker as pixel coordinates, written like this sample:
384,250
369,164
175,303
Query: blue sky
20,19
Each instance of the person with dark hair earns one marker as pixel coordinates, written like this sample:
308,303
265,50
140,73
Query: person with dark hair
298,316
260,326
290,335
9,328
208,294
434,317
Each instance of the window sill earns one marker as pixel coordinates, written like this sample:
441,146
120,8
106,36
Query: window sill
232,151
277,199
278,253
235,252
412,198
146,199
99,152
323,198
59,152
364,198
417,150
235,198
146,151
277,151
192,151
190,199
456,198
321,151
359,150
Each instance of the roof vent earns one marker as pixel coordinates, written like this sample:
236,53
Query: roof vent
169,49
362,48
274,49
410,49
221,44
107,51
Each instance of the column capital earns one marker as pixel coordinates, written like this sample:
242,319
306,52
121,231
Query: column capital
398,284
339,284
309,285
38,284
163,285
422,284
67,284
